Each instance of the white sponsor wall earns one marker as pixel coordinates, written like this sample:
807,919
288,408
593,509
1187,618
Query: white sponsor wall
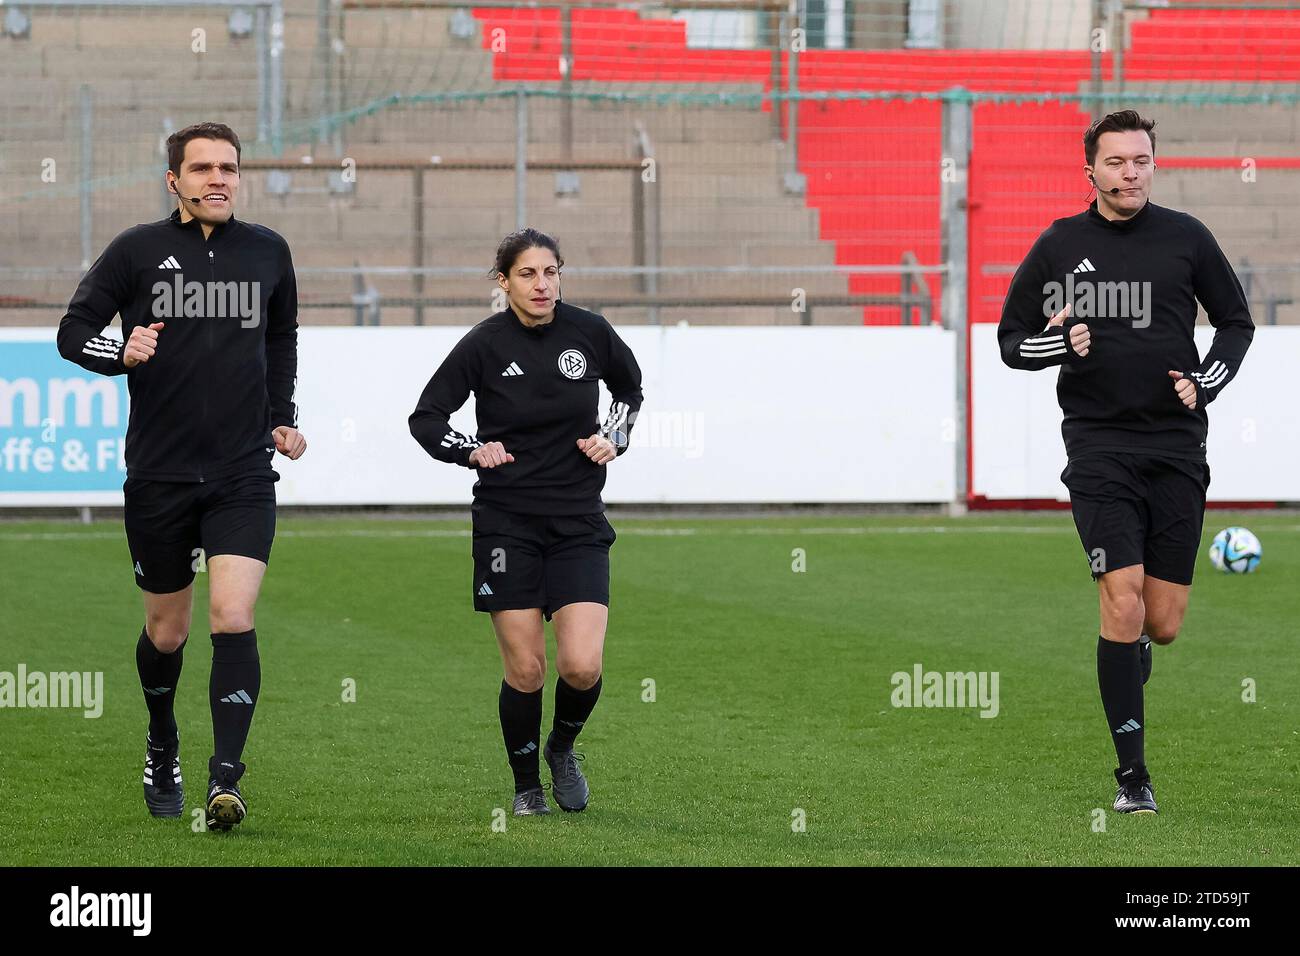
1253,447
731,415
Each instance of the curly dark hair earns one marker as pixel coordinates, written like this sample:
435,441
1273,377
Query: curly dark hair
515,244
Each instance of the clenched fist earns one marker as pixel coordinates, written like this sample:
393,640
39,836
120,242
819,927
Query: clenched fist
289,442
142,344
599,450
490,455
1184,388
1080,338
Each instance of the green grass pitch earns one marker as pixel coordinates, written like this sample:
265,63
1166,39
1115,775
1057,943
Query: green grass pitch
771,705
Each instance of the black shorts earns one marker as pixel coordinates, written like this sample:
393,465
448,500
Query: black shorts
1139,509
542,561
167,522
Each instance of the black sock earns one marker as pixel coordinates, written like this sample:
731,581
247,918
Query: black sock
521,725
232,692
159,674
572,708
1119,676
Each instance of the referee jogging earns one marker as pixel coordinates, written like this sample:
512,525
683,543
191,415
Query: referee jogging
1109,296
540,537
209,310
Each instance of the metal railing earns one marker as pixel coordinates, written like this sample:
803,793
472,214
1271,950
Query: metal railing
1253,279
645,229
913,301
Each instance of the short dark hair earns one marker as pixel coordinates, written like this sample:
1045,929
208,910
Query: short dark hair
176,141
1123,121
518,242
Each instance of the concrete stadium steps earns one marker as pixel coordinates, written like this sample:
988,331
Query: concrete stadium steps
164,27
397,29
720,169
492,122
1175,142
367,74
705,180
359,228
743,205
838,140
231,64
118,113
1235,226
1179,126
120,117
1273,189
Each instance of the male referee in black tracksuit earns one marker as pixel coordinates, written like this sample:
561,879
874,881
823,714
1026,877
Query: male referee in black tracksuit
209,347
1109,296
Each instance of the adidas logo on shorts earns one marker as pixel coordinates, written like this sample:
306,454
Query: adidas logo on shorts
484,591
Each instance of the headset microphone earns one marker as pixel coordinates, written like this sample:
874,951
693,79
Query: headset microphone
194,199
1114,190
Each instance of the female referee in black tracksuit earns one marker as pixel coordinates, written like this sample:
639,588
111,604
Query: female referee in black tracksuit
541,540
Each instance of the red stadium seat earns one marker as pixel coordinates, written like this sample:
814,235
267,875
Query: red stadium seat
872,167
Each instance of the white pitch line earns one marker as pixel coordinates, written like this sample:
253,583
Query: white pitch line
465,533
642,532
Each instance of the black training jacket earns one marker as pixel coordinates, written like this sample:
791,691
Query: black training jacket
225,369
1135,283
536,391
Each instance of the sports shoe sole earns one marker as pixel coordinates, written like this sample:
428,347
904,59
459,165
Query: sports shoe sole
569,809
225,810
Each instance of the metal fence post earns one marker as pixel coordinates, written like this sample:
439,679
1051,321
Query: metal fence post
322,96
84,193
645,220
417,240
954,203
794,181
261,39
277,76
521,158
